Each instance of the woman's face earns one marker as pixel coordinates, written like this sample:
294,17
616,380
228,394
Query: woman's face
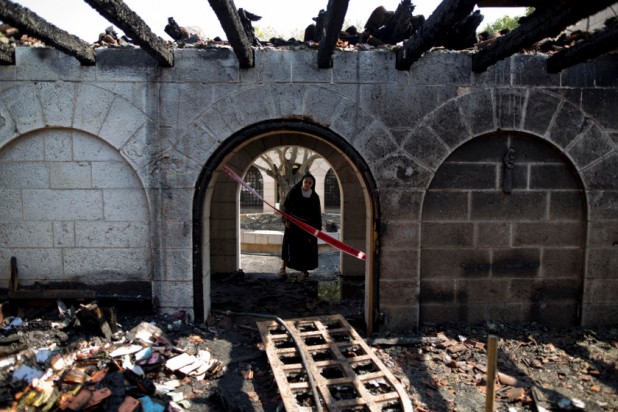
307,183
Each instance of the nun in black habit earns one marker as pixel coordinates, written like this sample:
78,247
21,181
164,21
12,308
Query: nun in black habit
300,249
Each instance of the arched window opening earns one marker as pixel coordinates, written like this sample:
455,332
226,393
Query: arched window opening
332,195
249,203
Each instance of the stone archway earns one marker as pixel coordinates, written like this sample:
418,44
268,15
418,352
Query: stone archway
503,239
216,244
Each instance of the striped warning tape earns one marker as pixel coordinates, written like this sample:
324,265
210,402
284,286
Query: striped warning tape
307,228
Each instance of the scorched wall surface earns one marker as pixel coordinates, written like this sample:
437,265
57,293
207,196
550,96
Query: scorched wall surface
99,167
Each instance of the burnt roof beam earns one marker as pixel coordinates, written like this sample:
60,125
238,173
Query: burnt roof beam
599,42
25,20
441,21
7,54
232,26
118,13
334,18
543,23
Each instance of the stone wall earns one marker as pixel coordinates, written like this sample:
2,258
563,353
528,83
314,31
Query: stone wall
112,174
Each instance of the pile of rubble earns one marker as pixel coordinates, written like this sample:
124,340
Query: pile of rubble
80,361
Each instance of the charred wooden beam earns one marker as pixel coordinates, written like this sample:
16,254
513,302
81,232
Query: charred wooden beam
543,23
463,34
232,26
335,14
444,17
118,13
599,42
28,21
7,54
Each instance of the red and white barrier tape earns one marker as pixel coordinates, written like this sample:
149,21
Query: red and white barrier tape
307,228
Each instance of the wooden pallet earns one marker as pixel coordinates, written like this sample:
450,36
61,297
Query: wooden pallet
347,374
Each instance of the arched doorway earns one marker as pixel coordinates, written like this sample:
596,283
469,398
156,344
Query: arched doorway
503,234
216,206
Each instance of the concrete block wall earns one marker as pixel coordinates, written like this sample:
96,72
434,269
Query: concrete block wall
114,155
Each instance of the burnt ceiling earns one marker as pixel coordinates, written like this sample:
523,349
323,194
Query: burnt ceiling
451,25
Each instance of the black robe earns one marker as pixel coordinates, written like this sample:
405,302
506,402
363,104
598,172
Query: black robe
300,249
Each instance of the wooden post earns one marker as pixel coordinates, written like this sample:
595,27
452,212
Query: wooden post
492,356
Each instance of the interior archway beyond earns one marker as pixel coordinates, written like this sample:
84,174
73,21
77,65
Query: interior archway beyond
216,235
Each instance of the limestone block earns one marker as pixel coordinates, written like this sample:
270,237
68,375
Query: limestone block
58,145
270,66
510,104
288,100
91,108
28,149
603,233
177,265
477,110
177,204
568,124
91,148
41,204
440,67
123,121
455,234
403,235
102,264
64,234
125,205
531,70
114,175
482,291
602,263
255,105
540,110
218,65
602,103
48,64
445,205
33,263
173,295
396,264
567,205
177,234
590,146
373,141
516,263
124,64
437,291
350,120
548,234
24,107
70,175
58,102
602,175
24,175
10,204
603,204
401,171
305,68
454,263
448,124
400,204
129,234
493,234
26,234
516,206
562,263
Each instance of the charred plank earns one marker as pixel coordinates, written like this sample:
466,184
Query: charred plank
543,23
232,26
7,54
463,35
445,16
28,21
335,14
118,13
399,25
600,42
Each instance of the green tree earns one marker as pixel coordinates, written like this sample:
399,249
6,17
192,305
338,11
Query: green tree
286,164
507,22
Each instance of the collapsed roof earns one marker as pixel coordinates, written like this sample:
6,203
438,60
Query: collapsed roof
449,26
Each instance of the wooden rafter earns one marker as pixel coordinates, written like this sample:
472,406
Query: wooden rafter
600,42
26,20
543,23
118,13
335,15
444,17
232,26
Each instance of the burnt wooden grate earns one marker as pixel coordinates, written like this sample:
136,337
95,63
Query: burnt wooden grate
347,374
